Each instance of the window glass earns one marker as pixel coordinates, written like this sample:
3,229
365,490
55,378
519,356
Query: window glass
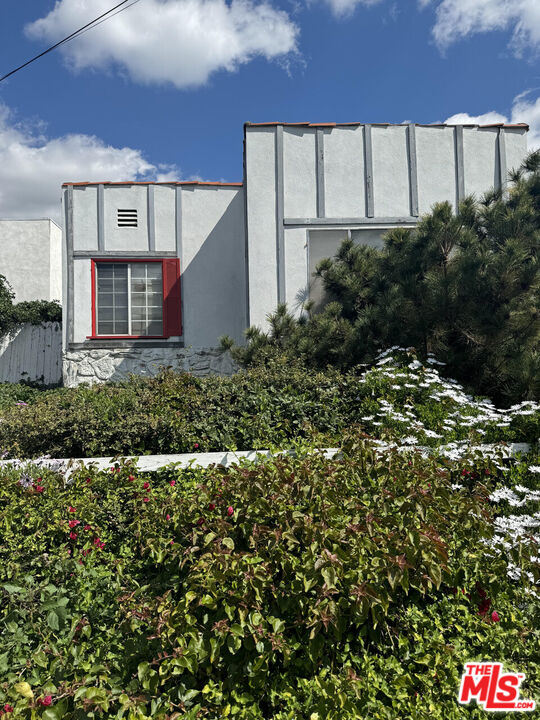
138,311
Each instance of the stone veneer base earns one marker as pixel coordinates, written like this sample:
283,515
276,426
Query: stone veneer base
100,365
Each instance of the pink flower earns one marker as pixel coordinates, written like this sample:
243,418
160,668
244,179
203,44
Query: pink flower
74,523
71,509
172,483
45,700
495,616
167,516
38,488
146,485
195,445
73,535
113,469
8,708
146,499
211,506
230,510
87,527
99,544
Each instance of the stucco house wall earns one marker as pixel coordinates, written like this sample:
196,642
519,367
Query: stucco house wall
245,247
201,224
309,185
30,258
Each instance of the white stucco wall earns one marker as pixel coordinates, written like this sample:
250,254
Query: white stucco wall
321,175
30,258
260,168
203,225
213,264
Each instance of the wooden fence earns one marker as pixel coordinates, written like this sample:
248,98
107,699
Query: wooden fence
32,352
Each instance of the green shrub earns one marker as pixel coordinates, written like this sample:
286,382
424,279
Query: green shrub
262,407
34,312
297,588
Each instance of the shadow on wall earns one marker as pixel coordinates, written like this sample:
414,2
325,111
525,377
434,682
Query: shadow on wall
214,281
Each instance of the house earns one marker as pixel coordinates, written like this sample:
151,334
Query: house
155,273
31,258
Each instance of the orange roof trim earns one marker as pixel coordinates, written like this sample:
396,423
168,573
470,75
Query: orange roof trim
384,124
153,182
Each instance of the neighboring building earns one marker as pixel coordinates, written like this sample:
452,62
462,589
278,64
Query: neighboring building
31,258
155,273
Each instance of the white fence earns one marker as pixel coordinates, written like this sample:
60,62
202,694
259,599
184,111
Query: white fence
32,352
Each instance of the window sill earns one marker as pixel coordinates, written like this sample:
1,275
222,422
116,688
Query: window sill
101,343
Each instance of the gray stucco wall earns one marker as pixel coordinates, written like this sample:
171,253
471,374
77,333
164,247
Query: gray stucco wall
354,178
30,258
203,225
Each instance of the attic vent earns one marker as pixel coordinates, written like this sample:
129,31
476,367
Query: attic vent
127,218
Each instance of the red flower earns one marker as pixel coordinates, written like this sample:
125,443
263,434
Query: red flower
131,478
71,509
88,481
38,488
146,485
98,543
230,510
195,445
113,469
73,535
167,516
200,521
74,523
172,483
87,527
8,708
495,616
146,499
45,700
211,506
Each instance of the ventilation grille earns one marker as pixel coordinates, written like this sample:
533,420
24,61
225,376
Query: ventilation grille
127,218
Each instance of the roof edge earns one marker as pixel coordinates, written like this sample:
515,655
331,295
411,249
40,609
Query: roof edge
197,183
383,124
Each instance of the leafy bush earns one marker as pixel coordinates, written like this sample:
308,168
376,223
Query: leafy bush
464,286
297,588
266,406
34,312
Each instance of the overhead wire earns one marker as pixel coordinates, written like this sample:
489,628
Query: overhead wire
93,23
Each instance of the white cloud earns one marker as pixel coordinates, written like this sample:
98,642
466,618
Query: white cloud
524,110
456,19
170,41
344,8
33,167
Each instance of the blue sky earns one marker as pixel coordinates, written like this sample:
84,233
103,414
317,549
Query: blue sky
162,89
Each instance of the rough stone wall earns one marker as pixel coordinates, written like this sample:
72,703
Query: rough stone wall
92,366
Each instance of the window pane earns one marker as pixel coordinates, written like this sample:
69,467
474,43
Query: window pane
146,299
105,328
142,302
155,328
112,298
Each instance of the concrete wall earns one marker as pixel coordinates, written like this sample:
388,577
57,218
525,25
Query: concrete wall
201,224
32,352
353,179
31,258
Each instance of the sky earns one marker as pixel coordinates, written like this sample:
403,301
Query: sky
161,90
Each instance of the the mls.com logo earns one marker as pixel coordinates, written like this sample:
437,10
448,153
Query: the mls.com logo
495,690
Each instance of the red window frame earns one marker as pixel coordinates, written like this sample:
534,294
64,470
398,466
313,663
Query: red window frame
172,316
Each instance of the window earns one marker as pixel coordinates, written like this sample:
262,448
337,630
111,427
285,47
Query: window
127,218
136,298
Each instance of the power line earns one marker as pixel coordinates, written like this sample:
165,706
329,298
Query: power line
101,18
